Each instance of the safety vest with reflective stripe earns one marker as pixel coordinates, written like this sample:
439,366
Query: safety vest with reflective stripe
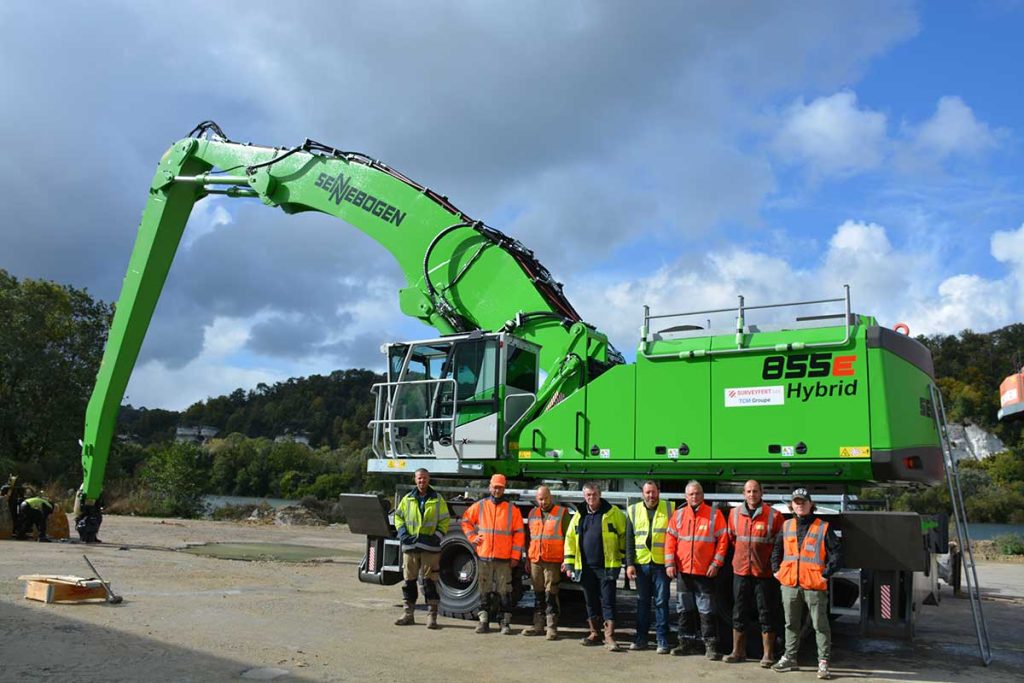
498,525
613,539
803,564
547,542
753,537
428,526
641,529
696,541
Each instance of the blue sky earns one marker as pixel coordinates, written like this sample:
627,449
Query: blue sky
674,155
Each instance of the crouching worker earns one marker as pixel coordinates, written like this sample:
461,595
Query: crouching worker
421,519
35,512
547,523
806,554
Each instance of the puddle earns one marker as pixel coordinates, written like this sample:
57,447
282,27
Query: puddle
251,552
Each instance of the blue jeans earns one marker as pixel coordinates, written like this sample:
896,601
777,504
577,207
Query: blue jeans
599,592
651,578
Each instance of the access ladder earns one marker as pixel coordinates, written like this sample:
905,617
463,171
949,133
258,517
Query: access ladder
960,516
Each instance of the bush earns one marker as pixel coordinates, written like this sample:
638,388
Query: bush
234,513
1010,544
176,475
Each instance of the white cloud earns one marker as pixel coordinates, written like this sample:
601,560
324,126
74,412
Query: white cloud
953,130
894,284
832,135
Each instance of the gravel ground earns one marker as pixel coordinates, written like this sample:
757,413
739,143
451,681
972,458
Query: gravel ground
192,618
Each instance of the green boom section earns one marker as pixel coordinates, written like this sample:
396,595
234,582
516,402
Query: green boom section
478,278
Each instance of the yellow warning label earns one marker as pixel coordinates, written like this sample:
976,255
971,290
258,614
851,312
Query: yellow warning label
396,464
525,455
855,452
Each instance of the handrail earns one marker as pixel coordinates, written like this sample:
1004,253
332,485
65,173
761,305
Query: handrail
379,423
741,335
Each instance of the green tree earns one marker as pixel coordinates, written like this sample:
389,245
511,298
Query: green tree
51,343
177,475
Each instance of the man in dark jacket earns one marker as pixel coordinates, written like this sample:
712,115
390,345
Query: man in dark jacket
806,554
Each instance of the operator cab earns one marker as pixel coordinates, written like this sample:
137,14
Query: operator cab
451,398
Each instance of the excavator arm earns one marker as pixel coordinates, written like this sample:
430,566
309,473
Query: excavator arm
461,275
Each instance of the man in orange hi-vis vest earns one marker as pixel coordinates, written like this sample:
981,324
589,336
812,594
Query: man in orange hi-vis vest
695,549
547,523
806,554
494,526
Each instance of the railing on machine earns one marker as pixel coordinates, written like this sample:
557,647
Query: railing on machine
742,331
960,518
384,422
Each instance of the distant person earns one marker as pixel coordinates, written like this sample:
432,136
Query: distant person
421,520
647,526
594,547
806,554
695,551
547,523
753,528
34,511
494,526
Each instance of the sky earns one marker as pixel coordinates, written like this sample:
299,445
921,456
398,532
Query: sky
669,154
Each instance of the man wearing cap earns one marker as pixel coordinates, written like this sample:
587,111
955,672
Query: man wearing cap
806,554
494,526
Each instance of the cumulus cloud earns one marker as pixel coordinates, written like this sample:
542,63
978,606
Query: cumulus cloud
832,135
953,130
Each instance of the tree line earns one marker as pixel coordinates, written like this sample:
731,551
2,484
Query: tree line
52,341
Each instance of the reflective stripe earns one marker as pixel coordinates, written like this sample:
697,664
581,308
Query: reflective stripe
705,539
754,539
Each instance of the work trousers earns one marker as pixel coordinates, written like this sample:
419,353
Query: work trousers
545,577
793,602
420,563
651,582
599,588
495,577
748,591
696,594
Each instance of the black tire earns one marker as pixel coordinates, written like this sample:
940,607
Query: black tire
457,577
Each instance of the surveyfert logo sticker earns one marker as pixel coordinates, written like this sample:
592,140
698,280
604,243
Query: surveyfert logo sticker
749,397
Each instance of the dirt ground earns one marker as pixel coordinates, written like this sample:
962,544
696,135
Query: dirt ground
192,618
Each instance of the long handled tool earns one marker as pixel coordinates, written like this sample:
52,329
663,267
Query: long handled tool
111,597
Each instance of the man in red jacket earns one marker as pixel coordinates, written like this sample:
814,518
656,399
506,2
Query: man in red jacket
695,551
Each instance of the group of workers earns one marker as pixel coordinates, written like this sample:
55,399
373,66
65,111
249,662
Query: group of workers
656,543
28,510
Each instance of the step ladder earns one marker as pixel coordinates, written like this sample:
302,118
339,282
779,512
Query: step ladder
960,518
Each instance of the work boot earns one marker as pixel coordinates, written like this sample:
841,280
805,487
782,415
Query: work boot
687,646
768,644
538,625
594,637
711,650
609,637
739,648
506,624
552,630
484,626
44,539
432,615
407,617
823,671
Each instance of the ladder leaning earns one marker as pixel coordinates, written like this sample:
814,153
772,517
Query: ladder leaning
960,518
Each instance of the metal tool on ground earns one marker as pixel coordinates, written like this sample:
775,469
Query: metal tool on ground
112,598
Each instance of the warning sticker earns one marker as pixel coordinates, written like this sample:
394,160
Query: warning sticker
525,455
396,464
745,397
855,452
